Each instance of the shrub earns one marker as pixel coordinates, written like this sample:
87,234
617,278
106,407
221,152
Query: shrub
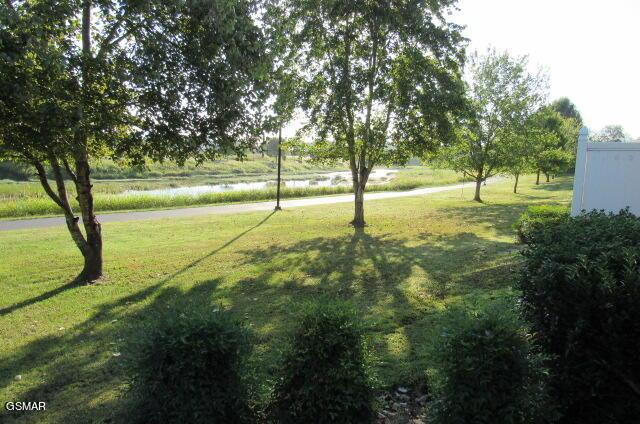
188,370
488,372
323,377
537,217
581,290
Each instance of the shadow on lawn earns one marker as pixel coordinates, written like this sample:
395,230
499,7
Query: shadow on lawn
82,362
555,185
39,298
74,283
394,283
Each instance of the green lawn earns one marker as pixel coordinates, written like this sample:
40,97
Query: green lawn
416,256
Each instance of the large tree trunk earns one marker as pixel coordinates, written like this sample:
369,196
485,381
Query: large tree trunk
515,186
547,176
478,186
93,232
358,216
538,178
93,257
90,247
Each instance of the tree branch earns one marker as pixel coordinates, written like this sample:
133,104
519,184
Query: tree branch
42,175
62,189
69,170
111,40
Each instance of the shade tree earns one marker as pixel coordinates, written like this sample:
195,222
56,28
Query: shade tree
553,138
126,79
502,95
380,81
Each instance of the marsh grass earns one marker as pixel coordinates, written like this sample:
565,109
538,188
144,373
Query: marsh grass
28,199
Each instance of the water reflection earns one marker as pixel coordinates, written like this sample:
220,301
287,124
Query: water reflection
332,179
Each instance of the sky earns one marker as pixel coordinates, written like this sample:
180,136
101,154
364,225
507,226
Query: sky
591,49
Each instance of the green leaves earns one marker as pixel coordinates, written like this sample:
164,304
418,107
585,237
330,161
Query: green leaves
581,291
379,80
188,368
488,371
501,96
323,377
162,79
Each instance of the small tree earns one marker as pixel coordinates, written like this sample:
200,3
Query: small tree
502,96
380,80
553,139
517,155
154,79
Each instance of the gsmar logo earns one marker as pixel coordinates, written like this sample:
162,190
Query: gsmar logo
25,406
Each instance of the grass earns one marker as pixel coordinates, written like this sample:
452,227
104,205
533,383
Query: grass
28,199
417,256
105,169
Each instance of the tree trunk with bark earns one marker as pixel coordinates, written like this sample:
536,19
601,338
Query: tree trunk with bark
93,230
90,246
358,216
360,177
538,178
547,175
476,197
515,186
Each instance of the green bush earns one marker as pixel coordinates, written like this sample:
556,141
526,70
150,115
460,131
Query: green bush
581,290
536,217
487,371
324,378
188,369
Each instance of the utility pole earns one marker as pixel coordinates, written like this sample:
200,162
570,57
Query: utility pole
278,208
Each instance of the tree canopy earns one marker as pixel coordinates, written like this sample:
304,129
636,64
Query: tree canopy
126,79
380,81
502,94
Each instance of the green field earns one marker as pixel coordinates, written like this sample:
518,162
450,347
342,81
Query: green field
28,199
417,256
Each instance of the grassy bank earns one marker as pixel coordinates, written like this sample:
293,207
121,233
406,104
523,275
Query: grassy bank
254,164
417,256
28,199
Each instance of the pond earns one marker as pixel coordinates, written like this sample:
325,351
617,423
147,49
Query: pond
332,179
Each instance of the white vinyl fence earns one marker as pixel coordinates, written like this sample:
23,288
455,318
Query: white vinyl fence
607,176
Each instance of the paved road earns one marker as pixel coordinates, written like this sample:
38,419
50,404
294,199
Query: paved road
228,209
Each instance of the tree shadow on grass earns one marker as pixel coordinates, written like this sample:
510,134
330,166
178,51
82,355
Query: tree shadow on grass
555,185
39,298
83,374
500,216
75,283
82,358
399,287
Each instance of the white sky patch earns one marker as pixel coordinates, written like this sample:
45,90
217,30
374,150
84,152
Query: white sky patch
589,47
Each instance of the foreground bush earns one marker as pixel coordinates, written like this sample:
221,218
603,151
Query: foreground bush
323,378
187,370
487,371
537,217
581,290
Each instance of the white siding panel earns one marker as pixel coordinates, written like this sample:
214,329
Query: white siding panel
607,176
